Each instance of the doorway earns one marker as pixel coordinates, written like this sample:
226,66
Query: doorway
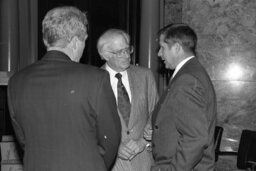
102,15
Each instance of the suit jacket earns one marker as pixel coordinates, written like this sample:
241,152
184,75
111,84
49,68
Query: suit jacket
144,96
184,121
64,115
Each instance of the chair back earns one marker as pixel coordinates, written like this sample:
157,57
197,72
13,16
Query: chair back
246,157
217,140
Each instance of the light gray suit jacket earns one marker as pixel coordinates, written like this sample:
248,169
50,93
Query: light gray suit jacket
144,96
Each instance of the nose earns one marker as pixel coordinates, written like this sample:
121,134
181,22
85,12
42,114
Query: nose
159,54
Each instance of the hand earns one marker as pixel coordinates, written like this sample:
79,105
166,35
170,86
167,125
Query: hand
136,146
148,132
128,150
125,152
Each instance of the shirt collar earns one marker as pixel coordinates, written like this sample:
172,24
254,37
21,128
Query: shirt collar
113,72
180,65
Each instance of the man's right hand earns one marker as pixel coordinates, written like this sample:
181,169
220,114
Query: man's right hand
125,152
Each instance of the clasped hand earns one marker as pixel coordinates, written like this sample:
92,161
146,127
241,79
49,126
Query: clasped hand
148,132
128,150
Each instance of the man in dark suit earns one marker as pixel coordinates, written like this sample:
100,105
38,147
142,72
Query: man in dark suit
64,113
139,83
184,119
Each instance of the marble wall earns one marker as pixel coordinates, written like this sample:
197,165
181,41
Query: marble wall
226,31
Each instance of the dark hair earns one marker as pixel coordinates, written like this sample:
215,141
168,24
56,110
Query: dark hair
182,34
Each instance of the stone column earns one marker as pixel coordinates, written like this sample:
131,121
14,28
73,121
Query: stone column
28,32
9,35
150,20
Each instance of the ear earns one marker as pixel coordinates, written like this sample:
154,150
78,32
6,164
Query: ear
178,48
74,42
105,55
45,43
86,36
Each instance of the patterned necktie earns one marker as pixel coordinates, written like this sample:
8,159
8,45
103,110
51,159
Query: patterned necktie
123,101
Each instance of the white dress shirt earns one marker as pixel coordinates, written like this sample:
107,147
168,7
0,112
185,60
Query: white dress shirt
114,80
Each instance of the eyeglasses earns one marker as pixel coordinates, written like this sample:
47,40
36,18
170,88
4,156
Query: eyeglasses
121,52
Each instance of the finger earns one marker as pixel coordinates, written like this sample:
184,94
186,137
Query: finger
136,150
132,145
148,127
129,150
131,157
124,151
148,132
148,137
124,154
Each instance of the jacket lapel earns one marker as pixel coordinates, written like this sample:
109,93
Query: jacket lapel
190,63
162,98
131,78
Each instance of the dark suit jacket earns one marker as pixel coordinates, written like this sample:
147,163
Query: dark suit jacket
184,122
64,115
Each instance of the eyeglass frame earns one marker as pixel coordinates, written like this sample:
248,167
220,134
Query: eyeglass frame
129,50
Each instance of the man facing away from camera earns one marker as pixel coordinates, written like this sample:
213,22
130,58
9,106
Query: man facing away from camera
136,95
184,119
64,113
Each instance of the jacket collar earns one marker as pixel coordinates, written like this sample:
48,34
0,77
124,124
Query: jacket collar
190,63
55,55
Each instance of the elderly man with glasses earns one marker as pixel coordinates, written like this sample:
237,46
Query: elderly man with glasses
136,94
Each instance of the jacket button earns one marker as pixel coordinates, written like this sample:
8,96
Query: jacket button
156,127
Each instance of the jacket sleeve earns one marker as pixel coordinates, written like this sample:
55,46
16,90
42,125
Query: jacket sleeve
152,94
108,122
17,128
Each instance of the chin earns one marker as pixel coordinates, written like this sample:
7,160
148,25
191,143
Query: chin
126,65
77,60
169,67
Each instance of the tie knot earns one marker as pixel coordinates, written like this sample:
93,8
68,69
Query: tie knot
118,76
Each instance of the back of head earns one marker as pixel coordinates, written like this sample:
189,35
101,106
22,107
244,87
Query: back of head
182,34
108,38
61,24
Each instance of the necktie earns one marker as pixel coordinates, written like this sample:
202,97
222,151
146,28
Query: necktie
123,101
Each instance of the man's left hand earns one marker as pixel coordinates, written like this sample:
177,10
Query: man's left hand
136,146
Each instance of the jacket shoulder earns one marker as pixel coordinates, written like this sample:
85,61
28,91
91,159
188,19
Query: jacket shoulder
140,69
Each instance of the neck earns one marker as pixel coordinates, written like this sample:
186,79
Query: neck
186,55
115,69
67,51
